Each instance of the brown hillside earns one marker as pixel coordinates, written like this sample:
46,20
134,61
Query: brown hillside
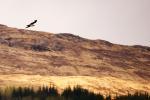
26,53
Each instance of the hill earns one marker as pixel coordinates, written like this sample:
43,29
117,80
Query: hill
36,58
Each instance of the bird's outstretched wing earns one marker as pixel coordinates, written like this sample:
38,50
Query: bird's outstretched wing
31,24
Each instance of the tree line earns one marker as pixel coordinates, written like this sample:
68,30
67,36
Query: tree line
51,93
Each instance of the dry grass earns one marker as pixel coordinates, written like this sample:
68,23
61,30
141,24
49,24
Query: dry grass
71,60
104,85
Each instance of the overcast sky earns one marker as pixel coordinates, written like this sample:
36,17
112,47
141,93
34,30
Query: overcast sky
118,21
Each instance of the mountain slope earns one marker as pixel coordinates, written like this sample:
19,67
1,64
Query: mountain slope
26,52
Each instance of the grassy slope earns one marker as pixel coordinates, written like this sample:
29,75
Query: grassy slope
104,85
70,60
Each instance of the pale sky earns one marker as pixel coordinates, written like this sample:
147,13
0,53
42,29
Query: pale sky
118,21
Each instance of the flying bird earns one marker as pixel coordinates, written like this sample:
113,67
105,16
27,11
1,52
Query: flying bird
31,24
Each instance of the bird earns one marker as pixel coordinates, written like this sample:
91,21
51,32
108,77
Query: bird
31,24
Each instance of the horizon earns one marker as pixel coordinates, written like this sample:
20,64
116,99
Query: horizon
75,35
123,22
